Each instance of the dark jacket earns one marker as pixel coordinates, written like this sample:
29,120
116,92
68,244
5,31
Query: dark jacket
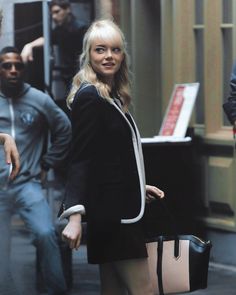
106,174
69,38
230,105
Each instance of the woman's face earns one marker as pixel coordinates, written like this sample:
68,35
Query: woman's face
106,57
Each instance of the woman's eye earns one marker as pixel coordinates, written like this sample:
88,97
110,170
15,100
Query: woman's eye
116,50
99,50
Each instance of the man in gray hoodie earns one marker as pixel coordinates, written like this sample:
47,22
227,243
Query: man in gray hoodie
31,117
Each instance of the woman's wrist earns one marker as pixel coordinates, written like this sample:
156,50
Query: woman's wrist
75,217
77,209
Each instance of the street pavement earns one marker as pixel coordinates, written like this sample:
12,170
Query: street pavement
221,281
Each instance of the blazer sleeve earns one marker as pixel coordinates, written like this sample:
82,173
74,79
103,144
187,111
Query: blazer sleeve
86,132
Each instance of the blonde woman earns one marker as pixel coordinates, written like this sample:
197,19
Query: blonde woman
106,180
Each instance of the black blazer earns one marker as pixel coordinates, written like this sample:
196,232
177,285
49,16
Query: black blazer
106,172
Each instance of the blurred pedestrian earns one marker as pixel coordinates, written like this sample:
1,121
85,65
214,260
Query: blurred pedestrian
67,34
11,153
230,105
1,17
33,118
106,181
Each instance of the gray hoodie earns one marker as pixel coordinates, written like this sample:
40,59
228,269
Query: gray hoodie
29,118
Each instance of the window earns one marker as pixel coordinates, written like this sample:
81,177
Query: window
224,56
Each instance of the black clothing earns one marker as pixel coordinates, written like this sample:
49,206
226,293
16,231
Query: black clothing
230,105
109,242
106,175
69,38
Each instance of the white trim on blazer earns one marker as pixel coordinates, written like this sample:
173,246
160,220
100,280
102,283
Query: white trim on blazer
139,160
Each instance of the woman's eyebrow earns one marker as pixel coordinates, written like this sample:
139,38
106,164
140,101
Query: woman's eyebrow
101,45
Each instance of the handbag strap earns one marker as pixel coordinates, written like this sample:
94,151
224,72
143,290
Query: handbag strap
159,265
173,224
161,245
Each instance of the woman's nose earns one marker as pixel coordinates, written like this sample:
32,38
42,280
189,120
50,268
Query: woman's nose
108,53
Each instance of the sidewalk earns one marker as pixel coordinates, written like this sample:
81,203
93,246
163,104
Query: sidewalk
23,262
222,279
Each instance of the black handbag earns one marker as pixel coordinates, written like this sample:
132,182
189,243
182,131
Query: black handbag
178,263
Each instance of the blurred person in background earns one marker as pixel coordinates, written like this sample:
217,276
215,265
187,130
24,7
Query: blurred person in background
34,119
67,33
230,105
1,17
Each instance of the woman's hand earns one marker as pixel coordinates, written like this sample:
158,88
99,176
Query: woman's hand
152,193
72,233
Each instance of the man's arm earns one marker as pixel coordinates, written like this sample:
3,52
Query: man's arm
60,136
27,51
11,153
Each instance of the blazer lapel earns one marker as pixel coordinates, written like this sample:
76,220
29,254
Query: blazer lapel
140,164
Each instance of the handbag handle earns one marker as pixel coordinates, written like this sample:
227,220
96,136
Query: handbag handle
198,249
160,241
159,265
173,224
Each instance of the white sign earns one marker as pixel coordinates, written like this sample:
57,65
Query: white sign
179,110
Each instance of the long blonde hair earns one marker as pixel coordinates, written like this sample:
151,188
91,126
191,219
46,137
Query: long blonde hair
103,29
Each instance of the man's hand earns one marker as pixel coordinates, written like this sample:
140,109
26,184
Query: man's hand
27,53
72,233
152,193
11,153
